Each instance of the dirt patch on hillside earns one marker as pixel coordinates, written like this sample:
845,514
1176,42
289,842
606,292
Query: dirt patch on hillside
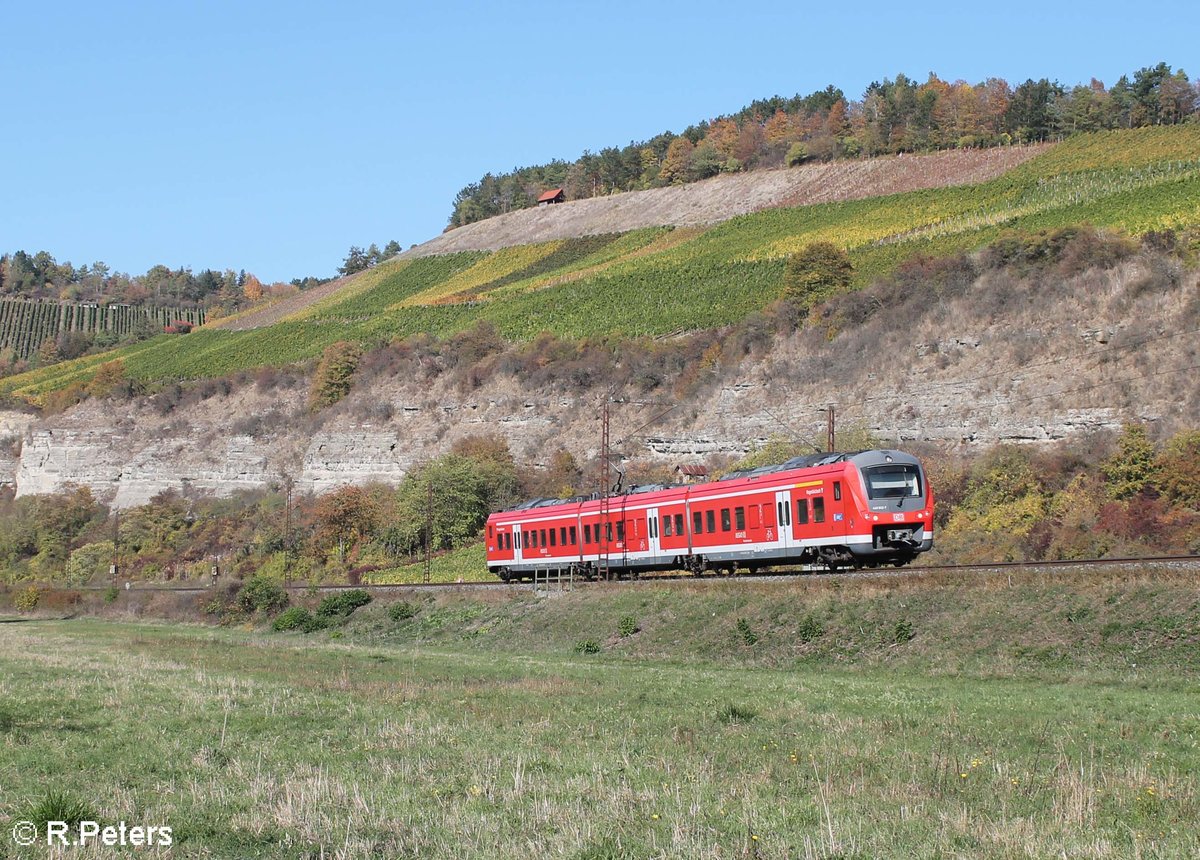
724,197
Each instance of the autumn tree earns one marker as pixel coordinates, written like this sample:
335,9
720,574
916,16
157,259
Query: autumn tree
816,273
675,166
334,376
252,288
344,517
1132,468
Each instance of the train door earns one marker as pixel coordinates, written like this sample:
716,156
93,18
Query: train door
783,520
518,540
653,536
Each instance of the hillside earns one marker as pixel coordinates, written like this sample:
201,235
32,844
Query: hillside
1017,344
720,198
633,282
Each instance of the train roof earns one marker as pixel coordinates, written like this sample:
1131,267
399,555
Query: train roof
805,461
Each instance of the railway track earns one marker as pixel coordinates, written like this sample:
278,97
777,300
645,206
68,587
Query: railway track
1171,561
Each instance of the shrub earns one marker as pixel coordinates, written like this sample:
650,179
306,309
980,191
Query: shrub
261,594
627,626
111,594
903,632
26,600
587,646
334,375
297,618
402,611
810,629
343,603
816,273
746,632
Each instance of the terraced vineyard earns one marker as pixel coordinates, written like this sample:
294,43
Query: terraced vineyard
660,280
25,325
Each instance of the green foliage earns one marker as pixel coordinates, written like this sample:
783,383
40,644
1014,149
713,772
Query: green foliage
797,154
816,273
810,629
627,626
454,495
111,594
903,632
261,594
587,646
1132,468
26,600
334,375
341,604
402,610
297,618
89,561
746,632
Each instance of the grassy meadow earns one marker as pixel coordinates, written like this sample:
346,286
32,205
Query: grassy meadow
731,721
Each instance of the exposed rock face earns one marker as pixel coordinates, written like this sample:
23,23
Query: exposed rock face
963,374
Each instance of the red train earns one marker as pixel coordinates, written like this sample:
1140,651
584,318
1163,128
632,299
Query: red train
840,510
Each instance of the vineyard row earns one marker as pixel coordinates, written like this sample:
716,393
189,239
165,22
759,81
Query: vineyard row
26,325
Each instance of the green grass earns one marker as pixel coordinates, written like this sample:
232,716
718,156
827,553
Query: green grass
466,564
1134,181
286,745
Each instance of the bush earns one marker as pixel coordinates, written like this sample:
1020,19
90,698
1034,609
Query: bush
627,626
343,603
810,629
587,646
746,632
111,594
26,600
903,632
402,611
261,594
297,618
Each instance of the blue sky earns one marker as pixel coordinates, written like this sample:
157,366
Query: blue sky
271,136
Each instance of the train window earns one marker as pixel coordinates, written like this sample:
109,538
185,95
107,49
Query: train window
837,491
802,511
608,532
574,537
490,532
587,532
819,509
508,541
620,530
697,522
739,519
779,506
562,535
725,519
667,526
679,524
542,540
552,541
531,539
710,521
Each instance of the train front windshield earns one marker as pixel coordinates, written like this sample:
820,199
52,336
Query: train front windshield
897,481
